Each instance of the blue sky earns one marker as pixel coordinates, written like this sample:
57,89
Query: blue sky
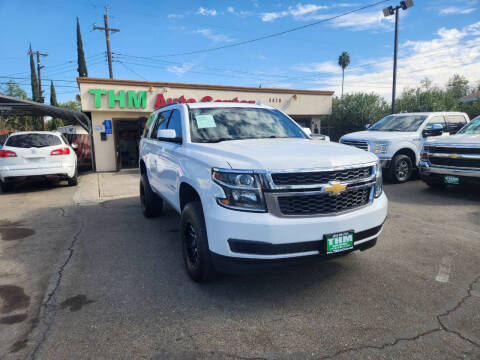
437,39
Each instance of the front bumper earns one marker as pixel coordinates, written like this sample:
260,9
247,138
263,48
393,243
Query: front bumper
467,176
288,233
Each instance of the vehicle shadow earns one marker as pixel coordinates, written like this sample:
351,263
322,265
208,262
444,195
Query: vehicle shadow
35,186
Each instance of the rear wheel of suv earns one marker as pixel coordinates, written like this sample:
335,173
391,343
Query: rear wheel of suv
196,253
73,181
6,187
401,168
150,203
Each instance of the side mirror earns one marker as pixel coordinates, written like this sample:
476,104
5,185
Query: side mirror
435,130
74,146
168,135
367,126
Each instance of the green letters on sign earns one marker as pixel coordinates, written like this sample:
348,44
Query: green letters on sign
98,96
112,98
139,100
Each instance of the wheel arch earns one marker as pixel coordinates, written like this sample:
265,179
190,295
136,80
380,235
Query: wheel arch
187,193
410,153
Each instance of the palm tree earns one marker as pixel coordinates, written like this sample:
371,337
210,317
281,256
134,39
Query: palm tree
343,61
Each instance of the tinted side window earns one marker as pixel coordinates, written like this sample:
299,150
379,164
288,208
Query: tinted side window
455,123
33,140
436,120
161,123
175,122
148,124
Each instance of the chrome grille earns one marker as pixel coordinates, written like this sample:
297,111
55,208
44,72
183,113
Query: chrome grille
324,203
321,177
357,143
457,162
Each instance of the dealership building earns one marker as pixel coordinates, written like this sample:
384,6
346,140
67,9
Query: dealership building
119,108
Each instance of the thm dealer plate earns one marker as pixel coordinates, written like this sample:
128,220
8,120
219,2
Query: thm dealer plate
339,242
454,180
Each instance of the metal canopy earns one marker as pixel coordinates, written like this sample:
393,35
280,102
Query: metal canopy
13,106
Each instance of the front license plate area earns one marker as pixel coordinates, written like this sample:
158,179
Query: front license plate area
453,180
338,242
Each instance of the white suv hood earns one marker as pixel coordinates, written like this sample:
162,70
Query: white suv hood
380,135
284,154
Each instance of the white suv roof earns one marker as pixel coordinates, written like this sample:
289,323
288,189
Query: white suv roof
432,113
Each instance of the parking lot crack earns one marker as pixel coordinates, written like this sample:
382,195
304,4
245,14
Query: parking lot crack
442,327
455,308
49,308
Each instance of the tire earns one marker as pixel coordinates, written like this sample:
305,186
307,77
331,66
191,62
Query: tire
401,169
6,187
150,203
73,181
193,234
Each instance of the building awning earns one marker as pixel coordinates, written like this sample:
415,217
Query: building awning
13,106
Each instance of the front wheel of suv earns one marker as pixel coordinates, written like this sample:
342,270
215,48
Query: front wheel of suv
401,168
150,203
193,234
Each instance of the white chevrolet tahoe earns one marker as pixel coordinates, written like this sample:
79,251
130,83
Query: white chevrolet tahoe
398,139
253,189
453,160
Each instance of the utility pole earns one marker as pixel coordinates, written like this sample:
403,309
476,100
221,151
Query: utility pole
107,37
40,91
391,10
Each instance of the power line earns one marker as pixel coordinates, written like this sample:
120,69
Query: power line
275,34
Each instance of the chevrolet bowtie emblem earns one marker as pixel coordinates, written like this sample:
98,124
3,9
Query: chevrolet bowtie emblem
454,156
335,188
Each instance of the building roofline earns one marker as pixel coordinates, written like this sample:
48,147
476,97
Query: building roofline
88,80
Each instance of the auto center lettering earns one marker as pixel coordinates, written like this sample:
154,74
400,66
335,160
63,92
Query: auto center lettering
138,99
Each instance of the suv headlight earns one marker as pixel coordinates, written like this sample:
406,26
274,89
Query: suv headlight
380,147
242,190
378,180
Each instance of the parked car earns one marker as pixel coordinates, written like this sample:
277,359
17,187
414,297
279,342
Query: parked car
253,190
37,155
398,139
452,160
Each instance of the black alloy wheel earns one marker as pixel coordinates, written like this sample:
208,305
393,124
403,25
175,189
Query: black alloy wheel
191,245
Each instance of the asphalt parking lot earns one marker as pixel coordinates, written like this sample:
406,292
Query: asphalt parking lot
84,275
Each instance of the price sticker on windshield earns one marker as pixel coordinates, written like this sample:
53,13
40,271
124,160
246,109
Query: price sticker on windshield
205,121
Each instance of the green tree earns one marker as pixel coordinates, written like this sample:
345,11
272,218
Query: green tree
353,112
33,78
458,86
15,121
53,95
82,65
343,61
54,124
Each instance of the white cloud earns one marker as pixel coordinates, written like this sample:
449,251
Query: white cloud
209,34
297,12
453,10
206,12
230,9
179,70
364,21
176,16
323,67
451,51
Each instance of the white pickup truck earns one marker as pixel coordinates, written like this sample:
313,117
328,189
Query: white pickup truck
398,139
454,160
253,189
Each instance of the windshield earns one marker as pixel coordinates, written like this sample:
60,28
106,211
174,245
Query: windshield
33,140
399,123
473,127
221,124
